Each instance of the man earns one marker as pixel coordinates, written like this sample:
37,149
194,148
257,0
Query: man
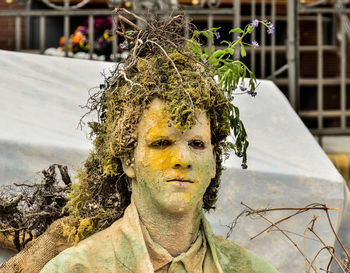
163,229
161,134
155,166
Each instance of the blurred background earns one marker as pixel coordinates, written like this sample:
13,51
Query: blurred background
308,57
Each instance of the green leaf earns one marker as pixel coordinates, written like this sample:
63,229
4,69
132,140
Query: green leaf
222,69
214,61
244,72
236,30
243,52
196,33
209,35
195,47
225,42
230,50
252,84
237,112
246,144
218,53
250,29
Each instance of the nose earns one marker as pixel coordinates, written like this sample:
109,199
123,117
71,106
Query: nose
182,159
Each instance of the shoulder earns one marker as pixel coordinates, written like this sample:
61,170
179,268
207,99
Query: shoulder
234,258
94,253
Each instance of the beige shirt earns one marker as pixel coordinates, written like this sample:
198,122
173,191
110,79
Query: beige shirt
124,247
195,260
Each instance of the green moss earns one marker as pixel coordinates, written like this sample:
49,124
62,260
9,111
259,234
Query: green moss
103,191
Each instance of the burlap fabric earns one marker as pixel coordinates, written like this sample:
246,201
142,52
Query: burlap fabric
7,242
35,255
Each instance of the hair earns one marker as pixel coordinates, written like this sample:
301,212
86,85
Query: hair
159,65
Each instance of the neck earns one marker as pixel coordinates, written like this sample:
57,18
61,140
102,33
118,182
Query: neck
175,232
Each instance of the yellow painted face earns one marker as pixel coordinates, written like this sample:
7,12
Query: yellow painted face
172,168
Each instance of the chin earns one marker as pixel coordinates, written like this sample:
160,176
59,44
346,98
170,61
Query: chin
178,203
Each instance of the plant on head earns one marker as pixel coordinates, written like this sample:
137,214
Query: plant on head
164,64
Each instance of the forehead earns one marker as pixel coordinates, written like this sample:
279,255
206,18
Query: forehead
155,122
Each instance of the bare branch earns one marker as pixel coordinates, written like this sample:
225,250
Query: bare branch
118,10
284,233
340,263
122,18
336,236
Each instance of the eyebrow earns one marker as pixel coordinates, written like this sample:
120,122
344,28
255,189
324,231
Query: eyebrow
197,136
155,138
201,137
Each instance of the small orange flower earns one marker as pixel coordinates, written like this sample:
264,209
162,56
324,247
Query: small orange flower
62,41
77,37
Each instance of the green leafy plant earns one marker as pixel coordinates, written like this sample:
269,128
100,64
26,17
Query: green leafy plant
230,72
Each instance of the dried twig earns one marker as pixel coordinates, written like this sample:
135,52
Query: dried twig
336,236
299,211
118,10
344,266
122,18
284,233
30,208
234,223
325,246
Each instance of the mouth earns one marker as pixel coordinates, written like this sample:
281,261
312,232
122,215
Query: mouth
181,181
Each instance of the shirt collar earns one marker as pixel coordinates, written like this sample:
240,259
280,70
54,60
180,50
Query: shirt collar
131,231
192,259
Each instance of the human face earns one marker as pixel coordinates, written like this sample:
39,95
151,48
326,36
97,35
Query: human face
172,168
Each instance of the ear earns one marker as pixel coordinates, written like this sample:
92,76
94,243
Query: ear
213,166
128,166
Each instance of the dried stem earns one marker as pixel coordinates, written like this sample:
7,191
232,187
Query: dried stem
166,54
118,10
299,210
316,206
123,34
234,223
125,20
310,227
30,208
284,233
315,257
173,64
122,72
336,236
340,263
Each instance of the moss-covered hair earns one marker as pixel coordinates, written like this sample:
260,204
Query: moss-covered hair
159,65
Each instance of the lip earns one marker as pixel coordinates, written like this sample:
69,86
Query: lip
180,180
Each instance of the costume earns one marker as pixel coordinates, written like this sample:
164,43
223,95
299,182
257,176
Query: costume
127,247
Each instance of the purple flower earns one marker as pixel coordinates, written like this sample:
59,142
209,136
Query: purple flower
217,34
99,44
255,23
83,30
124,45
255,44
204,60
238,37
271,29
242,88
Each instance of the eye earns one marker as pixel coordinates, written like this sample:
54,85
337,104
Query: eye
162,143
196,144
